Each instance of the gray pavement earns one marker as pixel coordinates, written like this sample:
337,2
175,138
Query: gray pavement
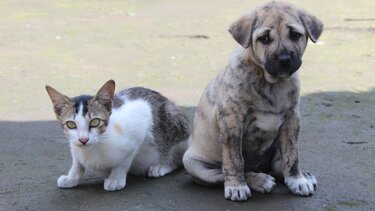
337,145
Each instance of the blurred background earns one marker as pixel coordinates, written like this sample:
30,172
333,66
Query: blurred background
176,47
171,46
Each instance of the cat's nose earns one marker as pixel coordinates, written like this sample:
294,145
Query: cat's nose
83,140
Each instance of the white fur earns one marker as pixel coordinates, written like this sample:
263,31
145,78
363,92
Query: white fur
81,122
237,193
299,185
159,170
128,137
81,131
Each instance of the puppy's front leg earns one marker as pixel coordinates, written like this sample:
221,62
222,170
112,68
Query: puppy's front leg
235,187
297,183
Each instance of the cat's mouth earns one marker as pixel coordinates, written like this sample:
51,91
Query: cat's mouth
80,143
83,140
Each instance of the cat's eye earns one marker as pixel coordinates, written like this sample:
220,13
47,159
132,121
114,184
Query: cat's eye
265,39
71,125
94,122
294,35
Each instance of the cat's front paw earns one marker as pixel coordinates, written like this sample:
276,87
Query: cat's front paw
67,182
300,186
114,184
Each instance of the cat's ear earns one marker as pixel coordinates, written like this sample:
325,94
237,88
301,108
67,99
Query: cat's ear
105,94
59,100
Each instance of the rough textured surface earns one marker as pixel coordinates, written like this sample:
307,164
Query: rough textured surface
337,146
176,47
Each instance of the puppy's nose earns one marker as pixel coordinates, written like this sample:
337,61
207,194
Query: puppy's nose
83,140
284,60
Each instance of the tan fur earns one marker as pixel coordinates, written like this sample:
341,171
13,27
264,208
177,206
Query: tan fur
63,106
244,109
118,128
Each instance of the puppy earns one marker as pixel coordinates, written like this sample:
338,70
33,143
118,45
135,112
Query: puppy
247,123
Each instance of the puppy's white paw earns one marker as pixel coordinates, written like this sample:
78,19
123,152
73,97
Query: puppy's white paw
114,184
261,182
67,182
310,177
299,186
159,170
237,193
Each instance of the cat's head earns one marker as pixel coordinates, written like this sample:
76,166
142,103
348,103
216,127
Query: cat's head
84,118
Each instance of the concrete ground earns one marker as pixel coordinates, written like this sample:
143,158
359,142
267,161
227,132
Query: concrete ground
175,47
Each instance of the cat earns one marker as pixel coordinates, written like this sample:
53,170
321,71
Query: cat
136,131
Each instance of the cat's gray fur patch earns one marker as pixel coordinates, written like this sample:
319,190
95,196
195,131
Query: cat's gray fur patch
171,125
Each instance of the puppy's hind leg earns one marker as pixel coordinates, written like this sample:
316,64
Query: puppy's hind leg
202,172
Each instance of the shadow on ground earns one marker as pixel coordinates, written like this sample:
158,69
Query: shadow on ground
337,144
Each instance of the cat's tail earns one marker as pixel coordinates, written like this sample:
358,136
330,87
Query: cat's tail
177,151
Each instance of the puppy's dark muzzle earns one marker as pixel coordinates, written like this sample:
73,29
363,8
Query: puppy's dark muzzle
283,64
284,60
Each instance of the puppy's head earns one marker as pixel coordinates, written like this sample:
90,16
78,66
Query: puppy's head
276,35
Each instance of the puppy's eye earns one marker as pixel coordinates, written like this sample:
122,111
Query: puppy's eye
294,35
94,122
265,39
71,125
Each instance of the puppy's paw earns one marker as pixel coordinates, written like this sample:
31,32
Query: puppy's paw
260,182
159,170
299,186
237,193
114,184
67,182
310,177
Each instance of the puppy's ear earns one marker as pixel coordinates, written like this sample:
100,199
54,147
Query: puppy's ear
105,94
242,29
59,100
312,24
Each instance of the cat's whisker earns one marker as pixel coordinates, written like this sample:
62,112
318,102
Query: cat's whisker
62,141
99,142
91,146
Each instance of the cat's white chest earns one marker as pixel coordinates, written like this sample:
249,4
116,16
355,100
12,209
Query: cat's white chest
96,158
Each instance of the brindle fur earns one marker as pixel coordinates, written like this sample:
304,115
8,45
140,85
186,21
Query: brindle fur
248,120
